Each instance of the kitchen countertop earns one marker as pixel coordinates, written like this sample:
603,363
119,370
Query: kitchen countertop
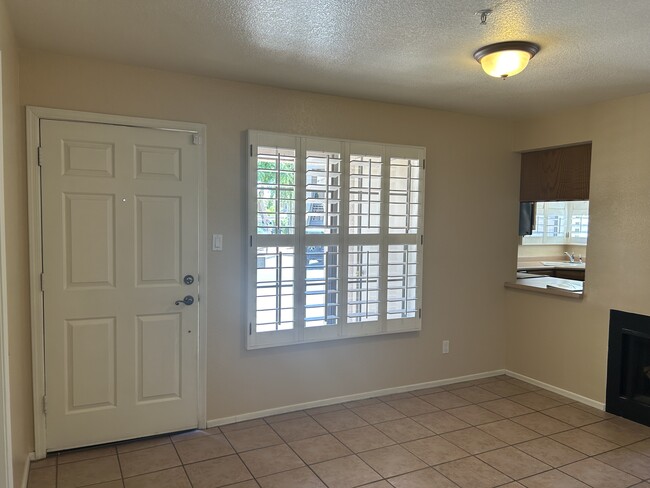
549,285
528,280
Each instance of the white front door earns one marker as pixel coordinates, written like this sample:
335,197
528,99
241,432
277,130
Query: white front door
120,236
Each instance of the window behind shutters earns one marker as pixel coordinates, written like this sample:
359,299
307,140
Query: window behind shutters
335,245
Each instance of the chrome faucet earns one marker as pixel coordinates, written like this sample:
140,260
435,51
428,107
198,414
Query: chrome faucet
572,257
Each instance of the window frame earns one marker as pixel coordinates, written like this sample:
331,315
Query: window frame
301,239
571,209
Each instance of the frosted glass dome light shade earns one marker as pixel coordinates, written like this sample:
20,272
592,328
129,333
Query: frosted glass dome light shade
506,59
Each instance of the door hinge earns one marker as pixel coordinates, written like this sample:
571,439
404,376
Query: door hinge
420,313
39,156
42,281
44,404
422,239
251,150
250,328
250,242
424,164
197,140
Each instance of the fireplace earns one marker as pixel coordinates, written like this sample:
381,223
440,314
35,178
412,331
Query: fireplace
628,366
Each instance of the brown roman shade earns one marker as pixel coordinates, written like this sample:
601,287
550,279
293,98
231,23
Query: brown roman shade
560,174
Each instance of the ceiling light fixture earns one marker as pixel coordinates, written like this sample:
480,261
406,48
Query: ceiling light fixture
506,59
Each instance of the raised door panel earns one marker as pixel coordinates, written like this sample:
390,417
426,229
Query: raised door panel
87,158
159,357
89,240
90,366
158,163
158,234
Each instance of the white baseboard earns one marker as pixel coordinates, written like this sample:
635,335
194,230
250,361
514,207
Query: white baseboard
30,457
559,391
349,398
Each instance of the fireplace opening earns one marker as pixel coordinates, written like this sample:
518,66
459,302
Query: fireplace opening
635,373
628,366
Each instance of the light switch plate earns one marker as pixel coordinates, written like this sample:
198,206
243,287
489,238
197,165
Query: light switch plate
217,242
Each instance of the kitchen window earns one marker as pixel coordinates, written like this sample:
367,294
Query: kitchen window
560,223
335,239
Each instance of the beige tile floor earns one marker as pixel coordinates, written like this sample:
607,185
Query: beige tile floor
478,434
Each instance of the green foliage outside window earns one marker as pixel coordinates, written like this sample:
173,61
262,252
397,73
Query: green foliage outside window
276,200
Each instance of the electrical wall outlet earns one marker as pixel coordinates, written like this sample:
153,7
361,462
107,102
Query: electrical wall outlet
445,347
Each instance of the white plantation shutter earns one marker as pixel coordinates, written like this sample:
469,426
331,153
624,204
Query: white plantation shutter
322,238
404,198
366,291
275,288
555,222
403,286
274,238
335,244
364,283
365,192
579,222
404,239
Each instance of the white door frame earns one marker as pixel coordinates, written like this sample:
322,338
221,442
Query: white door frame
34,117
6,461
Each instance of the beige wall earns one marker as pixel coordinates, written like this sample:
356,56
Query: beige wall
563,341
15,201
470,168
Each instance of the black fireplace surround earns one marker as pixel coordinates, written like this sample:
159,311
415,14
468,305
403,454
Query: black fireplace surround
628,366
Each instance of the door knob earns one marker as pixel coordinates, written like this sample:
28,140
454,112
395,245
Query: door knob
188,300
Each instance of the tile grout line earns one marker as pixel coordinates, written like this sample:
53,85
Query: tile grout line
119,464
587,456
189,480
238,456
385,402
477,426
435,468
307,465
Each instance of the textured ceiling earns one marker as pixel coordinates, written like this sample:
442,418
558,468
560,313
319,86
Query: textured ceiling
417,52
